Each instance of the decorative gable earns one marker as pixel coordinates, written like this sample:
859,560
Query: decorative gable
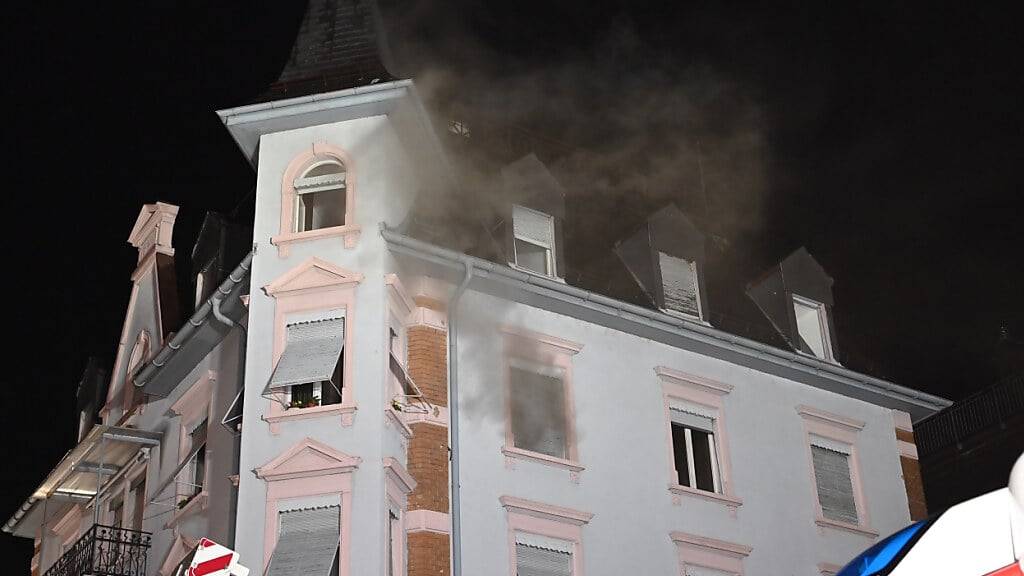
305,459
312,275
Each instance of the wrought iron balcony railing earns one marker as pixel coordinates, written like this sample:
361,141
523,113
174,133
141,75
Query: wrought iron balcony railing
105,551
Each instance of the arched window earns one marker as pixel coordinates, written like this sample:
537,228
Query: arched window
320,196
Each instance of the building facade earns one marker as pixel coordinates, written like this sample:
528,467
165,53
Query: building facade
413,406
152,471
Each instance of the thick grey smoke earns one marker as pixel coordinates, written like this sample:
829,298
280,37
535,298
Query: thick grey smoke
623,128
626,128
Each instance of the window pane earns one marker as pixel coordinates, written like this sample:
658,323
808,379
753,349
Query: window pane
702,461
321,209
679,453
139,501
538,413
302,393
808,322
835,488
531,256
330,392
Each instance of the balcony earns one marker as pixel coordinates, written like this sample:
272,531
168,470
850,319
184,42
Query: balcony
105,551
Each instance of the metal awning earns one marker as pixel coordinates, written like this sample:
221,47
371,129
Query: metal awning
311,354
308,542
88,467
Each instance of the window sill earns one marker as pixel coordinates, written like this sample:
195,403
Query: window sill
730,501
349,232
574,468
838,525
197,503
519,268
346,411
829,360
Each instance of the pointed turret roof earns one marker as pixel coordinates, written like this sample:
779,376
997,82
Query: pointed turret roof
339,45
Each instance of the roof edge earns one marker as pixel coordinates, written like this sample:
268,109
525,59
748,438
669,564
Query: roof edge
666,323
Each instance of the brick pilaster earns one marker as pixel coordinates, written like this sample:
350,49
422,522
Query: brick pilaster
911,467
429,550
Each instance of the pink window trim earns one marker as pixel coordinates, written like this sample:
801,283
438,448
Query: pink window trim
181,546
545,520
309,468
349,231
314,285
709,553
543,350
843,430
192,407
708,393
398,483
829,569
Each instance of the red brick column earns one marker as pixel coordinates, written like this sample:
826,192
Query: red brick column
911,468
429,550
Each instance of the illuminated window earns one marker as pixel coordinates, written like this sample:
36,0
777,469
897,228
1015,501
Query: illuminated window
812,327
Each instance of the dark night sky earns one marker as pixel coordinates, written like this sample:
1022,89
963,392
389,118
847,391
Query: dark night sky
892,137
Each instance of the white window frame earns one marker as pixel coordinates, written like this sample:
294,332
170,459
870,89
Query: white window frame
550,268
823,326
716,478
305,185
704,398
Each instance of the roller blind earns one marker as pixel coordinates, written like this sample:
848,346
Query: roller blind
535,561
533,226
679,280
311,353
307,542
835,488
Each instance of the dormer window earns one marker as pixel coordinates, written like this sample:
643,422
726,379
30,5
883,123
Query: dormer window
534,245
812,326
680,287
320,197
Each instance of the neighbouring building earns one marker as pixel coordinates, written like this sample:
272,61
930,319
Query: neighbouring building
436,387
153,468
969,448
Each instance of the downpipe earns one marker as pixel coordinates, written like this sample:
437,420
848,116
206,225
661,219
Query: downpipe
453,416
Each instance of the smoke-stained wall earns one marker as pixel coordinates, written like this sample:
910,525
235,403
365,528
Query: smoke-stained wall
620,430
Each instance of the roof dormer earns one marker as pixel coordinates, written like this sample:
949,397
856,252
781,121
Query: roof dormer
796,296
666,257
536,212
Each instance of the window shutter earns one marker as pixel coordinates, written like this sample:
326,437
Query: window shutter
533,226
312,352
679,280
535,561
687,418
835,488
307,544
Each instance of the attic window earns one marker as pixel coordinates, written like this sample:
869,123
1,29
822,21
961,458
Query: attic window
320,197
534,240
680,286
812,327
